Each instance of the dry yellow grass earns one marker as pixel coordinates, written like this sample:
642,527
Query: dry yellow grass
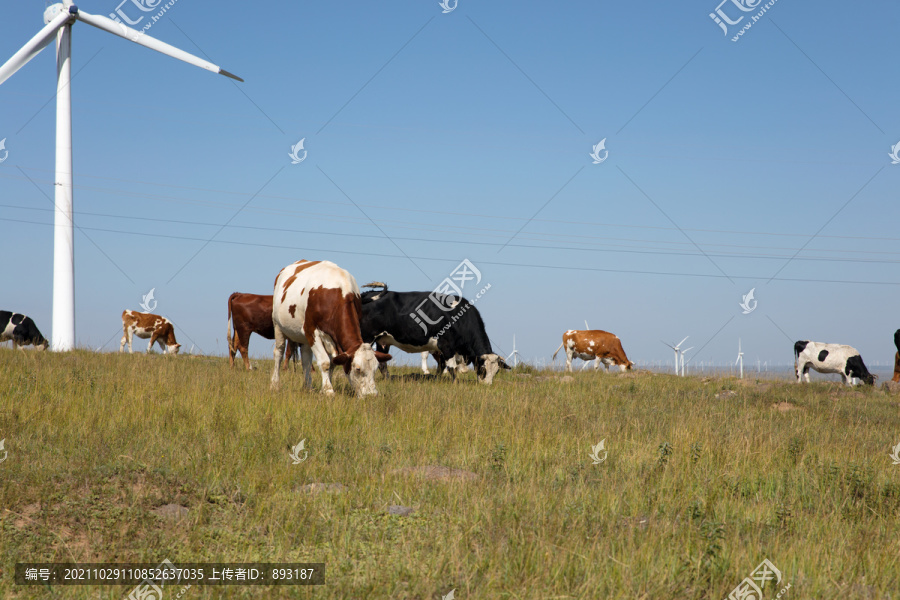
695,492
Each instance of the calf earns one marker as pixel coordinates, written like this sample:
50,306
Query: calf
830,358
448,327
317,305
144,325
897,356
21,330
594,344
251,313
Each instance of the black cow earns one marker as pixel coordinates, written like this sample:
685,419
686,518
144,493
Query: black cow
447,326
21,330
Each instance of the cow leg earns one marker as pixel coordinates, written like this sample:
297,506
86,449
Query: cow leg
306,361
278,352
896,367
569,353
126,337
152,341
324,363
290,354
425,363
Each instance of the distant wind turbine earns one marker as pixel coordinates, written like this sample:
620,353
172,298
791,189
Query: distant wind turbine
683,352
740,358
59,19
677,349
514,354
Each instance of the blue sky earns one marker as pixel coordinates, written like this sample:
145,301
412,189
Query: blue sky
436,137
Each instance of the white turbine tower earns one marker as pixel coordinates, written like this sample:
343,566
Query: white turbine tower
59,19
677,349
514,354
740,358
683,352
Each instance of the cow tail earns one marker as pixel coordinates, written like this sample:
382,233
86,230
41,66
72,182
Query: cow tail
558,349
897,339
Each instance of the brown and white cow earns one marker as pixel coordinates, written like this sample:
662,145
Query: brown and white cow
316,305
594,344
250,313
144,325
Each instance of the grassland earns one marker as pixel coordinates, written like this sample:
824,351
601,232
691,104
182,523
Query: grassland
704,479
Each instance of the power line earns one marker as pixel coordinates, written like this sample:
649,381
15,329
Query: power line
451,260
404,209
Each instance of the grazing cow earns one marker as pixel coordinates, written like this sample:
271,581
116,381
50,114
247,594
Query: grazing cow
251,313
897,356
144,325
591,344
317,305
830,358
21,330
452,331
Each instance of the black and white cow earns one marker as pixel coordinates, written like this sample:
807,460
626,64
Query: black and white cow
21,330
448,327
830,358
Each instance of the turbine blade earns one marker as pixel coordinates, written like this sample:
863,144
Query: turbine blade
110,26
682,341
33,47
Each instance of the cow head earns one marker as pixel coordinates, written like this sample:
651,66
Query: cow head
360,368
869,379
41,343
173,348
488,365
627,366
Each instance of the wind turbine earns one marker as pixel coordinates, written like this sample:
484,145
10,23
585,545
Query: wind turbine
514,354
677,349
683,352
58,19
740,358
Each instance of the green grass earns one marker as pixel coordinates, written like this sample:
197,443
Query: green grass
695,492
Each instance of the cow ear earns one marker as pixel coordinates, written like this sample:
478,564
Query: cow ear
383,357
503,364
341,359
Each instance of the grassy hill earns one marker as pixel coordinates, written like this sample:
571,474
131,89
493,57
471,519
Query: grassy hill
703,478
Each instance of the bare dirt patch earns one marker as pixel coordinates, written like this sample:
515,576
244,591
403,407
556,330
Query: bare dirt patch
438,473
786,407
